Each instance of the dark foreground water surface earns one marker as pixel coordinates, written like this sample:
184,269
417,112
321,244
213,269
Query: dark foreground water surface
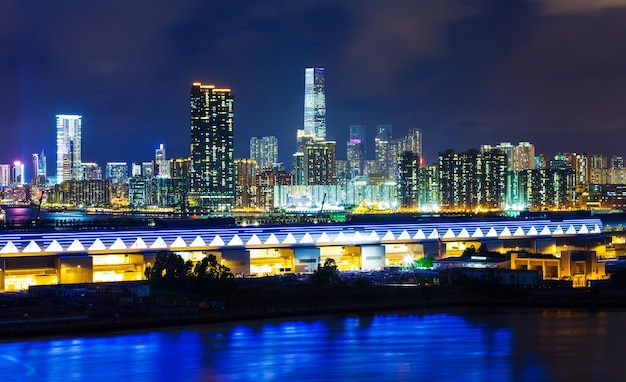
457,345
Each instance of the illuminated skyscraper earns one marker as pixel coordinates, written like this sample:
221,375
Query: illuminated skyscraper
408,180
5,174
117,173
161,164
245,183
382,141
212,146
472,180
314,103
68,147
264,151
356,150
92,171
519,158
17,173
320,167
39,169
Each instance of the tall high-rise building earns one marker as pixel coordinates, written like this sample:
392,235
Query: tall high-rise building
17,173
314,103
68,147
519,158
382,141
39,169
357,150
245,183
5,174
161,164
320,166
92,171
212,146
117,173
472,180
408,180
264,151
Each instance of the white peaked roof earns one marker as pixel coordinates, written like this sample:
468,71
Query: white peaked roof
54,247
324,238
216,242
178,243
254,240
9,248
290,239
307,238
404,235
235,241
97,245
357,236
388,236
197,242
373,236
118,244
478,233
419,235
76,246
340,238
139,244
32,247
272,239
159,243
115,241
449,234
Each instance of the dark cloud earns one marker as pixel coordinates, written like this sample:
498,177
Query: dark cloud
388,37
569,78
576,6
465,72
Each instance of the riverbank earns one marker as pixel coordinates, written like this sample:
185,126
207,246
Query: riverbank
42,322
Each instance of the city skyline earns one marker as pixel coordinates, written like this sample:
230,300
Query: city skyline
544,71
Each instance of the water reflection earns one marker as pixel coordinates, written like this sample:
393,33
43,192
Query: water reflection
493,345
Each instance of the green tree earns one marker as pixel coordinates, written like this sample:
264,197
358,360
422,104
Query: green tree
469,251
326,275
169,269
483,250
209,268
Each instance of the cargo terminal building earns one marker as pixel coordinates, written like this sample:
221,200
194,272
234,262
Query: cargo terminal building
67,257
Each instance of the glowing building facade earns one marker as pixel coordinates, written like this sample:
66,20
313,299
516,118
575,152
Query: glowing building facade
314,103
68,147
356,150
320,166
382,142
212,147
264,151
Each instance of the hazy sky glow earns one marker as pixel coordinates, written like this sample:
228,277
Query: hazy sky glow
552,72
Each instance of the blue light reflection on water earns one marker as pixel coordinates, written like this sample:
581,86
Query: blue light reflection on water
392,347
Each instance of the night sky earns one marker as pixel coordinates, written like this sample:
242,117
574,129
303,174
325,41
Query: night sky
551,72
